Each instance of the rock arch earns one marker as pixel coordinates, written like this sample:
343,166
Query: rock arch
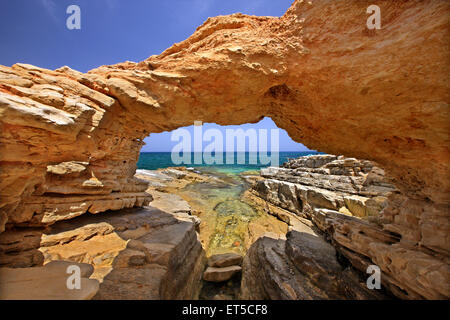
70,141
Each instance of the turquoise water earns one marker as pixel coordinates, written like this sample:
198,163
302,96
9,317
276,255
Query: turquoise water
159,160
226,215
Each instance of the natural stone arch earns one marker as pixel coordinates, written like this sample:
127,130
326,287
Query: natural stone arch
70,141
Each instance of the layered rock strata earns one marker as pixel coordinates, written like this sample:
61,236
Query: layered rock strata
47,283
222,267
68,137
215,274
69,141
301,267
136,253
345,200
353,187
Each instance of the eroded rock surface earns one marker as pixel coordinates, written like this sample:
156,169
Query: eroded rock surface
301,267
225,260
136,253
345,200
251,67
326,181
69,141
220,274
47,283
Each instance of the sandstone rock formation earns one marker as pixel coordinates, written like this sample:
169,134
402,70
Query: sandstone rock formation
136,253
210,200
222,267
344,200
225,260
355,187
215,274
46,283
301,267
69,141
163,260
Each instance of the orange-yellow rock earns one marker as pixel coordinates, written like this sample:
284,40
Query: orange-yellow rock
317,71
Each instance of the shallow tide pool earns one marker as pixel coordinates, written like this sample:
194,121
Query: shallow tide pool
228,222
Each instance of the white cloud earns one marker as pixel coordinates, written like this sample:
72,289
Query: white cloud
50,7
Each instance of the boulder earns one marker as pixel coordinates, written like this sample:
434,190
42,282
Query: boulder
213,274
135,254
225,260
356,205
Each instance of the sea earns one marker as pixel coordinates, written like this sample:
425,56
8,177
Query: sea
219,202
160,160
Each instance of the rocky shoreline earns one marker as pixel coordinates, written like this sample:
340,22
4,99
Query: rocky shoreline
210,199
332,208
138,253
70,141
306,264
152,252
335,204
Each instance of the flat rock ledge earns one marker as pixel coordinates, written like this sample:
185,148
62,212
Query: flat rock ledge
213,274
354,210
46,283
135,253
225,260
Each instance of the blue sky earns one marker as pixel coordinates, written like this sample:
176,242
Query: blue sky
112,31
158,142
